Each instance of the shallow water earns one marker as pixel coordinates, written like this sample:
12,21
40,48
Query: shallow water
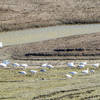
39,34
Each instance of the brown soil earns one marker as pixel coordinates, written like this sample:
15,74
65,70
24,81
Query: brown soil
21,14
73,47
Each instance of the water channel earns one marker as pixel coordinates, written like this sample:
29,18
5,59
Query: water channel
40,34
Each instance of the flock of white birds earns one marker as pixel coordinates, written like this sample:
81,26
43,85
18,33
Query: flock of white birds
5,63
80,66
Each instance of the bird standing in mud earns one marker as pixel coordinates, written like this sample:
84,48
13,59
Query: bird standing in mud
83,63
68,76
96,65
71,65
85,71
22,72
81,66
92,71
1,44
16,65
44,65
2,65
50,66
73,73
43,70
24,66
33,71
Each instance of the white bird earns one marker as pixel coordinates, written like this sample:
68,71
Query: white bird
23,72
6,62
68,76
16,65
92,71
71,65
42,70
24,66
3,65
1,44
33,71
83,63
81,66
96,65
73,73
44,65
85,71
50,66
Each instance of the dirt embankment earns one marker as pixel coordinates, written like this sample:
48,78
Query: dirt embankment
21,14
73,47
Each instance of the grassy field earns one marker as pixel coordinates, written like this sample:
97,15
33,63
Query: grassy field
50,85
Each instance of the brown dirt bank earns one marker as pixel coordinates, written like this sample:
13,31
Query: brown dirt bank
73,47
21,14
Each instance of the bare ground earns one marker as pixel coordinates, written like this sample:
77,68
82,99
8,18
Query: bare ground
73,47
21,14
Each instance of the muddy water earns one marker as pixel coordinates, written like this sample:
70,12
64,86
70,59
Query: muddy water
39,34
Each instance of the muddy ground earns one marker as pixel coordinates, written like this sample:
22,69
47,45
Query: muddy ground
21,14
73,47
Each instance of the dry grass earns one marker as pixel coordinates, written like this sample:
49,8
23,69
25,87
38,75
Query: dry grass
16,14
54,86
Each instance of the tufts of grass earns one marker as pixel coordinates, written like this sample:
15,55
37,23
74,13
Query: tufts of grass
52,84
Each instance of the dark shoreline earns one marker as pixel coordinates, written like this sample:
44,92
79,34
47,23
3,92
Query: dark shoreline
34,27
